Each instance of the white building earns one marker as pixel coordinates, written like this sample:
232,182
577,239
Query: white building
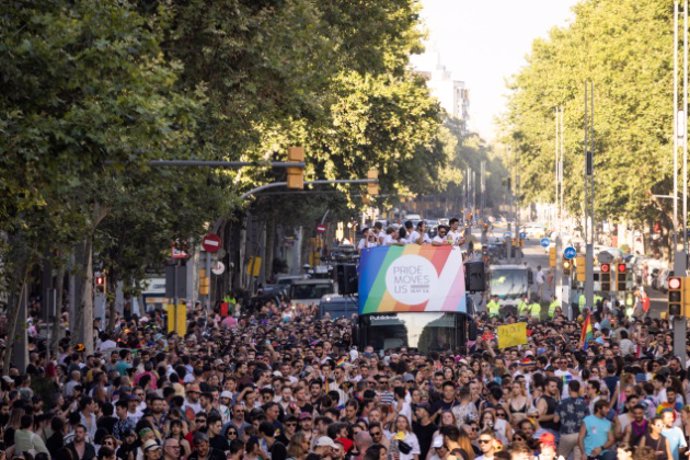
451,93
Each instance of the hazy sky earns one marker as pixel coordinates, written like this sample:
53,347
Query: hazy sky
483,42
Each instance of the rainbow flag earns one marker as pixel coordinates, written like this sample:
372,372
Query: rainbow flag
341,362
587,333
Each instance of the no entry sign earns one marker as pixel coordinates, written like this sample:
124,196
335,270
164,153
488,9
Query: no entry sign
211,242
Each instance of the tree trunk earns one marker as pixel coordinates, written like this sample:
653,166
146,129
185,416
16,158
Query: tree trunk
270,245
14,307
86,304
111,306
57,329
85,310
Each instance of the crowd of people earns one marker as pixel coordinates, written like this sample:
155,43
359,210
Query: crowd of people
278,384
452,234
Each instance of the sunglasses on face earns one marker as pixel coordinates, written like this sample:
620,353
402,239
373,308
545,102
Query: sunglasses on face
484,441
232,433
375,433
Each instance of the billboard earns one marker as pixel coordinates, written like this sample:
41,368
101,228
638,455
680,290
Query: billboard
411,278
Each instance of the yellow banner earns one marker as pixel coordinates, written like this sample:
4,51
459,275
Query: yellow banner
511,335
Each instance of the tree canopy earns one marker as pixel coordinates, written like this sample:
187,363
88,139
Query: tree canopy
625,47
93,90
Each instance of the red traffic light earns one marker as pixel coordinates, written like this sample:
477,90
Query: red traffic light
100,280
621,268
674,282
605,268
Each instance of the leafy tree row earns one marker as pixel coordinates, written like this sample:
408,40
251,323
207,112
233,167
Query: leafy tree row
91,91
625,48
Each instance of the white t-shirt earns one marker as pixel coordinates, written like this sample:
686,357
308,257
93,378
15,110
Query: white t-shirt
440,240
364,243
566,377
388,240
414,237
412,441
455,235
540,277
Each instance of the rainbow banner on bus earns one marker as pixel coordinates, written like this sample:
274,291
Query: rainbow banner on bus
411,278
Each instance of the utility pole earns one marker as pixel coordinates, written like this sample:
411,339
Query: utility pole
678,263
475,191
589,194
680,260
511,215
682,133
482,186
557,206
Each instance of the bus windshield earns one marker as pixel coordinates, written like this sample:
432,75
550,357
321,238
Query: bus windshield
509,282
426,331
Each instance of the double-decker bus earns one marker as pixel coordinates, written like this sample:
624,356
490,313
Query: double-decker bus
413,297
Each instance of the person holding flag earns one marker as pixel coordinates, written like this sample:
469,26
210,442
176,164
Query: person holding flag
587,331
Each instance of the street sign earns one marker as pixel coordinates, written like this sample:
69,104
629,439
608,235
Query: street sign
508,235
523,235
569,252
218,268
320,228
211,242
545,242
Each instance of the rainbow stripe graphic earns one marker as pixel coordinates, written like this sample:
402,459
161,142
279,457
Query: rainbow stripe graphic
411,278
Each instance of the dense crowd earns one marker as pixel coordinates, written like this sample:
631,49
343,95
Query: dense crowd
280,384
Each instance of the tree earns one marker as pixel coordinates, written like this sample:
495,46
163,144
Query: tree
85,84
624,48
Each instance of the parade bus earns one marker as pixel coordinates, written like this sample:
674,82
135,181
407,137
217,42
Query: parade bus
413,297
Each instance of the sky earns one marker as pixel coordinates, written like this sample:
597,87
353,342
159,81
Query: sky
484,42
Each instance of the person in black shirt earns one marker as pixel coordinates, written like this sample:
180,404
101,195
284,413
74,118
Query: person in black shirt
547,405
216,439
289,430
423,428
56,441
107,421
446,402
203,450
275,448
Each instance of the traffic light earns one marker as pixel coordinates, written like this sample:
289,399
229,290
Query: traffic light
621,276
373,187
99,281
675,295
295,174
204,283
567,266
685,297
605,277
580,264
